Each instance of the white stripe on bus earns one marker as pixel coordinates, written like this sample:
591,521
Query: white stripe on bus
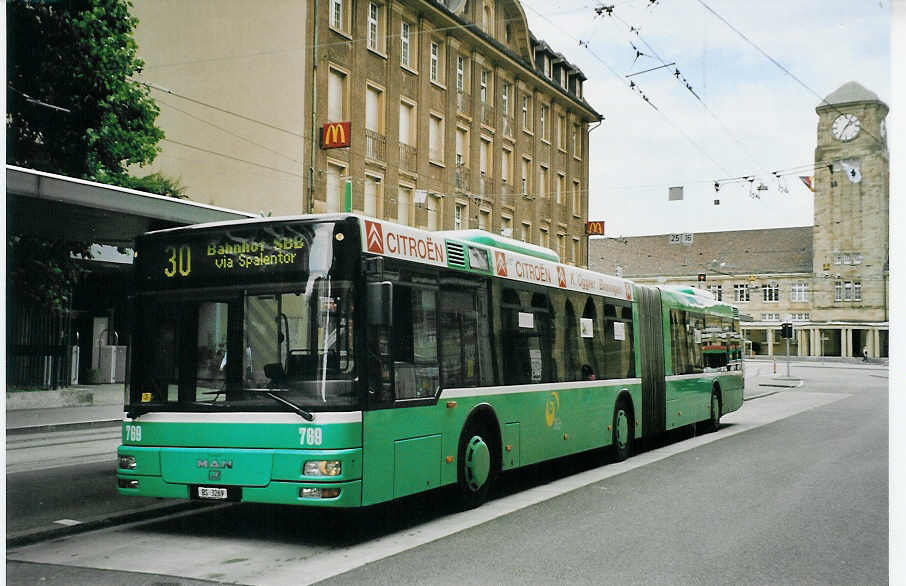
702,375
246,417
535,388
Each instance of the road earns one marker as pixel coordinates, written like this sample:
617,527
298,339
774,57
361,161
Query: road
793,489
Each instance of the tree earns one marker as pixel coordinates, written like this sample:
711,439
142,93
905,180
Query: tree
72,107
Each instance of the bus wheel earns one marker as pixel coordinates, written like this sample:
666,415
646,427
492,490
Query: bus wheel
622,432
476,466
714,420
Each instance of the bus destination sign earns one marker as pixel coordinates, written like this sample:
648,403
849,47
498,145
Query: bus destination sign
223,256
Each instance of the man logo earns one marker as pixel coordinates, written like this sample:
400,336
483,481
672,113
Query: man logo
335,135
500,261
374,237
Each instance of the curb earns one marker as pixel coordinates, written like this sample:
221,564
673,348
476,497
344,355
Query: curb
26,429
35,535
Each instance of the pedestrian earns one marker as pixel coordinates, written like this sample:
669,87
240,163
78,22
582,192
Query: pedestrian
864,353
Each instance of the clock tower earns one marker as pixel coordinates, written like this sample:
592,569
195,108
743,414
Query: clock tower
852,201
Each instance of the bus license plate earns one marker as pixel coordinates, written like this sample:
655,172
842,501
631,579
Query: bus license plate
206,492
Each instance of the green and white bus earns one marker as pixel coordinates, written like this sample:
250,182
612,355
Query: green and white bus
343,361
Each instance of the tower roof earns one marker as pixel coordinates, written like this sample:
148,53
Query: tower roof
850,92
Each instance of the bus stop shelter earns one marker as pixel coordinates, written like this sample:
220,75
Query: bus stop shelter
87,341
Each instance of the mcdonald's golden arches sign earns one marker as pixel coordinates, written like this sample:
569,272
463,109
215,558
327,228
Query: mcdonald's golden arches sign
595,228
335,135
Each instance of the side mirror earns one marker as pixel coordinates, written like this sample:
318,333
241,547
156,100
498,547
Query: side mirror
380,303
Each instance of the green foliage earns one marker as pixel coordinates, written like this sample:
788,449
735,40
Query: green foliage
154,183
42,271
78,55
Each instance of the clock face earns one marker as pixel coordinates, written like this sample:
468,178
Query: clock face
845,127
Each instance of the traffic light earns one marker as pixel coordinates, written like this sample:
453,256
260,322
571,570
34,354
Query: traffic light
701,277
786,330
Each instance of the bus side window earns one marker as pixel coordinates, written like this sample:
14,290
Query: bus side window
414,343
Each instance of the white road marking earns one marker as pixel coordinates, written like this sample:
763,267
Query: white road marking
133,548
67,522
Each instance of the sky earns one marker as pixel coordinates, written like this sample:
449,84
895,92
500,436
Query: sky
752,118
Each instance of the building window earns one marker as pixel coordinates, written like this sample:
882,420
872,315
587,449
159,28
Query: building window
544,116
484,220
336,188
336,15
374,109
462,147
740,293
525,176
771,291
403,205
375,42
857,291
506,165
547,67
436,139
486,19
484,156
717,292
577,198
525,113
542,181
561,246
577,148
336,95
837,258
544,238
435,62
848,291
576,251
561,132
372,196
459,211
506,226
484,86
838,291
561,187
407,126
505,99
460,74
525,236
799,316
799,291
563,77
432,203
405,52
857,258
770,317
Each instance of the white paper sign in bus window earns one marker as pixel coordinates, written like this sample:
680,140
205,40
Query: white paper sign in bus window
586,327
619,330
526,320
535,358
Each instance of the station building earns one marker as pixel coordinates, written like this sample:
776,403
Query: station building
436,115
831,279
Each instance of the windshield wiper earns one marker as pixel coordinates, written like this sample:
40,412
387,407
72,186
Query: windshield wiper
270,393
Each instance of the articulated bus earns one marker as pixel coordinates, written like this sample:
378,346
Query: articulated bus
343,361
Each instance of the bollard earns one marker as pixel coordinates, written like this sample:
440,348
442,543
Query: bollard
775,366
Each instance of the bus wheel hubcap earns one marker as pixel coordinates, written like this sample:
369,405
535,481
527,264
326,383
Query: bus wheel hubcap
478,463
622,428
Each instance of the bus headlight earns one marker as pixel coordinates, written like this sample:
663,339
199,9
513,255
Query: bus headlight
127,462
322,468
319,493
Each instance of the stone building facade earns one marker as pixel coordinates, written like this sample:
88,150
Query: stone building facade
830,279
458,116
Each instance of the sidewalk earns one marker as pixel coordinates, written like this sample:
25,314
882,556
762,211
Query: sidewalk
72,407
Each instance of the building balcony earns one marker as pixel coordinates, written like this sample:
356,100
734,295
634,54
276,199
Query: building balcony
464,103
375,146
408,158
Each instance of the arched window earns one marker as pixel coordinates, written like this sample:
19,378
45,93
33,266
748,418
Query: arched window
487,19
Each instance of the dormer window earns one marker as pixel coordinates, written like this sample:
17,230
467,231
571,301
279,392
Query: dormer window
579,88
563,77
547,66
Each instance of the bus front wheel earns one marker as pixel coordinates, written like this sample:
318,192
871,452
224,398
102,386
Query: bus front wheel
476,466
622,428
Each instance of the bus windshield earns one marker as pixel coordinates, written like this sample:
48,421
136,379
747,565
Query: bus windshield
233,348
